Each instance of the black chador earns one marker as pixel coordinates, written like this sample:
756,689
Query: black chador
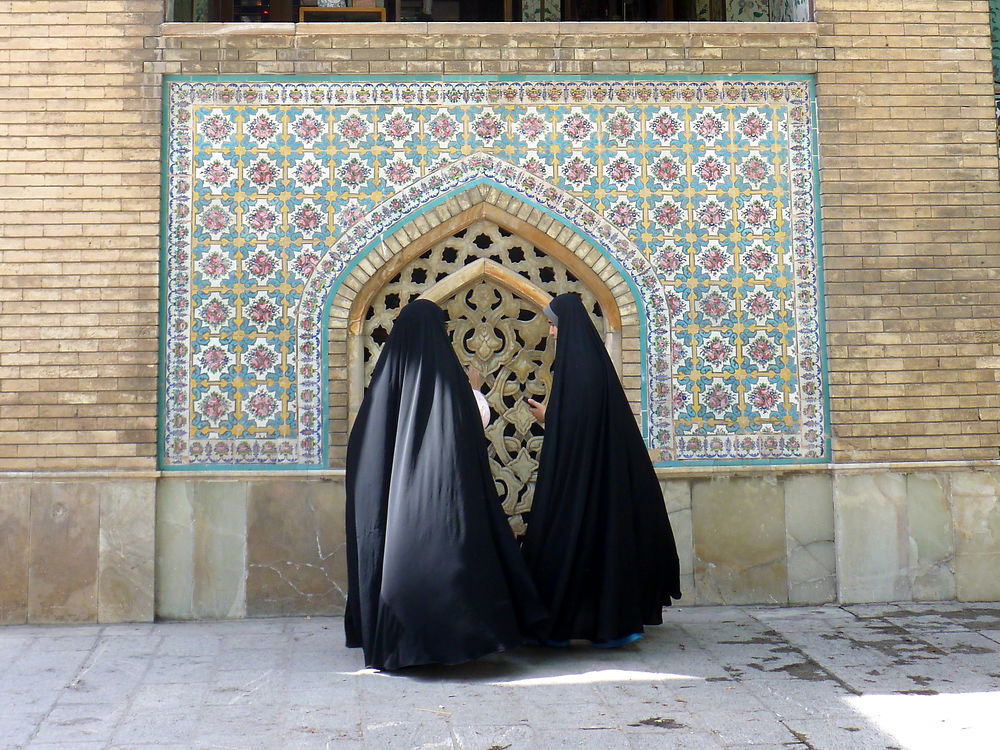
434,572
599,544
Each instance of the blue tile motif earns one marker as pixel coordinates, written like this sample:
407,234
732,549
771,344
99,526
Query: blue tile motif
701,191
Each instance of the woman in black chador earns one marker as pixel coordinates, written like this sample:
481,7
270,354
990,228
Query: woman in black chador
599,544
434,572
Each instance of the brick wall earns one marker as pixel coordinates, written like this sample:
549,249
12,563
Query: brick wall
79,213
911,228
909,172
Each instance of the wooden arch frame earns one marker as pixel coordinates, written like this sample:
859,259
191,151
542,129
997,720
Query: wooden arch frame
484,268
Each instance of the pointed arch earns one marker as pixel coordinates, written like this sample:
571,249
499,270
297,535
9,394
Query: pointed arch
438,206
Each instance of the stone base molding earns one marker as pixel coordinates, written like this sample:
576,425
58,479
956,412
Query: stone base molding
83,548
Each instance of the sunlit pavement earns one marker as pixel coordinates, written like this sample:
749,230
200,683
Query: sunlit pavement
913,677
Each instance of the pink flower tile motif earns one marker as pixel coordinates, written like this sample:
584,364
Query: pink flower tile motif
700,190
532,126
261,219
261,359
762,305
261,313
576,127
669,215
714,259
488,127
714,216
755,169
719,399
310,173
217,175
621,127
443,127
309,127
668,170
621,171
536,167
624,215
261,265
261,406
711,169
216,220
213,359
215,265
214,407
400,171
353,128
214,312
754,126
262,128
710,127
716,305
666,127
757,215
397,128
217,127
353,173
758,257
263,173
761,351
578,171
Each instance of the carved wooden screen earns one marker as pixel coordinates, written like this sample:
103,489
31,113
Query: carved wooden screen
499,333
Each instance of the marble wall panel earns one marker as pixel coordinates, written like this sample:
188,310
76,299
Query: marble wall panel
975,509
809,539
872,538
932,538
677,497
125,566
174,550
296,562
63,552
739,541
14,518
201,529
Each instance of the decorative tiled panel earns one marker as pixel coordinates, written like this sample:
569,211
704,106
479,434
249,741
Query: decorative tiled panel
701,191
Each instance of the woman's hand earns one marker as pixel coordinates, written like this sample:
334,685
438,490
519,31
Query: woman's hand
475,377
537,410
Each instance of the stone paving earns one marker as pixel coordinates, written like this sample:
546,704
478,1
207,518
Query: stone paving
906,677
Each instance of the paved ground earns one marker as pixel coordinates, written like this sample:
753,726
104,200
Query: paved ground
913,677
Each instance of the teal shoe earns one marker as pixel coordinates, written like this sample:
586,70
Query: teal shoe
623,641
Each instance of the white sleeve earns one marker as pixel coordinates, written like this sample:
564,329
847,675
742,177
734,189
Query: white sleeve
484,407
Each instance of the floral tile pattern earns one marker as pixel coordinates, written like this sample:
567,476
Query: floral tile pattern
701,191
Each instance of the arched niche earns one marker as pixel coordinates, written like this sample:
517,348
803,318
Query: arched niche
616,308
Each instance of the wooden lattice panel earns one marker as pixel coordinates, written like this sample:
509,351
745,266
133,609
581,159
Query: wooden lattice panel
494,330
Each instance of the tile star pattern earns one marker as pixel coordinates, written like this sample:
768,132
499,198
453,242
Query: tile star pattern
701,191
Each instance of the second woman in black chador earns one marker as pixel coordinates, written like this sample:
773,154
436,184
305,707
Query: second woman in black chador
434,573
599,543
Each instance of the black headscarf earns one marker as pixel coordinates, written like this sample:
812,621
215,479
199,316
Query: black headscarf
599,544
434,573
